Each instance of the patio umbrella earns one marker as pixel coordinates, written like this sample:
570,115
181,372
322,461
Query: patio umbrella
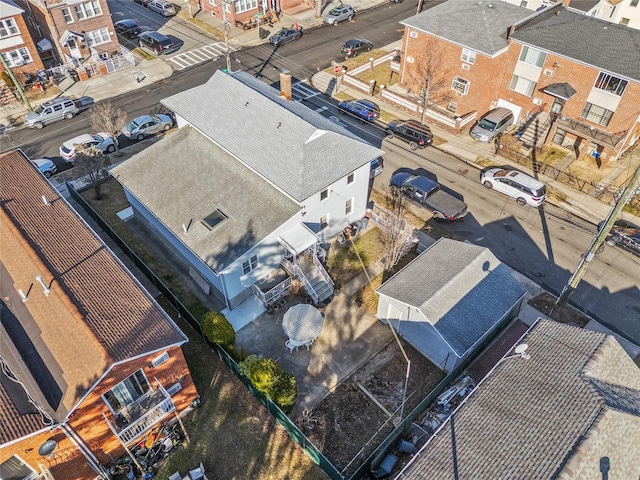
302,322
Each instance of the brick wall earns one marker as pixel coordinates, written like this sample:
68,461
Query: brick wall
29,43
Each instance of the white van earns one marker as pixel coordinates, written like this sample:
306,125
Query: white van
524,188
164,8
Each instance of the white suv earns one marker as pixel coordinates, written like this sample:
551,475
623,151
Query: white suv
524,188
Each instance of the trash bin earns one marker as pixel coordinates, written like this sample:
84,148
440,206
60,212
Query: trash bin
263,33
364,222
355,227
74,75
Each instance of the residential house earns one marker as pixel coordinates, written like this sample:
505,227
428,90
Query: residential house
569,79
78,30
90,362
624,12
249,183
17,47
239,11
569,408
450,300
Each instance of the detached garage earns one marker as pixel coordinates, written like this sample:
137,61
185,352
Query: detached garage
449,299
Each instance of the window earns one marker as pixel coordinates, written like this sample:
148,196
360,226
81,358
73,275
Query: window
213,2
249,265
17,58
634,3
624,21
468,56
324,194
8,27
524,3
611,84
88,10
245,5
127,391
159,360
596,114
351,178
97,37
324,222
453,106
348,207
66,14
15,469
460,85
213,219
522,85
532,56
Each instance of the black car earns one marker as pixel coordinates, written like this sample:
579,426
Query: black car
285,35
363,109
127,27
353,47
418,135
625,235
155,41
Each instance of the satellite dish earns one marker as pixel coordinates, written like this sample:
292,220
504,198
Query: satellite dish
47,447
520,349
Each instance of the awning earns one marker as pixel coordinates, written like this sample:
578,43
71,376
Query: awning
560,90
298,239
67,34
44,45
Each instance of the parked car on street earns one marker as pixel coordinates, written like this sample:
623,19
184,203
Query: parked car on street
427,194
155,42
162,7
411,131
144,3
127,27
102,141
285,35
524,188
146,125
83,103
363,109
376,167
51,111
353,47
46,166
492,124
339,14
625,235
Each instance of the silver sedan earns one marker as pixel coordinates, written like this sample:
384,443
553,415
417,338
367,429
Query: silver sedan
146,125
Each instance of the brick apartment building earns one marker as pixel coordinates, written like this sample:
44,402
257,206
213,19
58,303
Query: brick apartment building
241,10
77,29
90,362
574,79
17,46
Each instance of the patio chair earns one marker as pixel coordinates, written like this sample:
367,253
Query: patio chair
175,476
291,345
308,343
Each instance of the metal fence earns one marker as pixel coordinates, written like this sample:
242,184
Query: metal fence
290,427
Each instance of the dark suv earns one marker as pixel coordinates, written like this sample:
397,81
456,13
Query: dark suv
625,235
155,41
363,109
353,47
418,135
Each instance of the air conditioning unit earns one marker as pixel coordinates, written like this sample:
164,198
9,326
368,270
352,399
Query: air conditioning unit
413,34
18,63
410,60
537,101
465,66
547,72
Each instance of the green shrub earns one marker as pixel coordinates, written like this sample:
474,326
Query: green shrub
217,329
267,377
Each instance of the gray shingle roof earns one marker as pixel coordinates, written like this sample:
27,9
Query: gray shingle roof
185,177
604,45
292,146
478,25
539,417
462,289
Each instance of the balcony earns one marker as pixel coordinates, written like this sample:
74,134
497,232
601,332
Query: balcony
593,134
272,287
139,417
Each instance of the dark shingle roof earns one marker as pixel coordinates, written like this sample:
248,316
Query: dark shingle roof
462,289
200,177
533,418
289,144
605,45
478,25
94,303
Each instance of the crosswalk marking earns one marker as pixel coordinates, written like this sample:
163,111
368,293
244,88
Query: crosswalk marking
198,55
303,91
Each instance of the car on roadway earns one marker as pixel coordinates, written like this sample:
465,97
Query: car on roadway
376,167
516,184
625,235
102,141
351,48
339,14
144,3
285,35
46,166
146,125
127,28
411,131
365,110
155,42
162,7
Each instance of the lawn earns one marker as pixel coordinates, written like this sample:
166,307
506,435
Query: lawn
344,264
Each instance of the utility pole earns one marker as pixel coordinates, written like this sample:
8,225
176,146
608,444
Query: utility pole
25,100
574,280
227,27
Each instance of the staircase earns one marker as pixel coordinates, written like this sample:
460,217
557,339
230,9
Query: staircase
536,129
313,276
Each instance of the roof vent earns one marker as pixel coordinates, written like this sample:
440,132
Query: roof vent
490,5
46,202
40,280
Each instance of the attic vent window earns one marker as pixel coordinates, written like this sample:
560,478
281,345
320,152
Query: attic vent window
160,359
213,219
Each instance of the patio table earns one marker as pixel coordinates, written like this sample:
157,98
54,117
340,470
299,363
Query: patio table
302,323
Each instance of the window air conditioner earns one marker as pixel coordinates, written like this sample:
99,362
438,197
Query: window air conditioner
537,101
547,72
465,66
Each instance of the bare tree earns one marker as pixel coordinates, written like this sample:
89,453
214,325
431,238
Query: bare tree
431,75
107,118
394,238
92,163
